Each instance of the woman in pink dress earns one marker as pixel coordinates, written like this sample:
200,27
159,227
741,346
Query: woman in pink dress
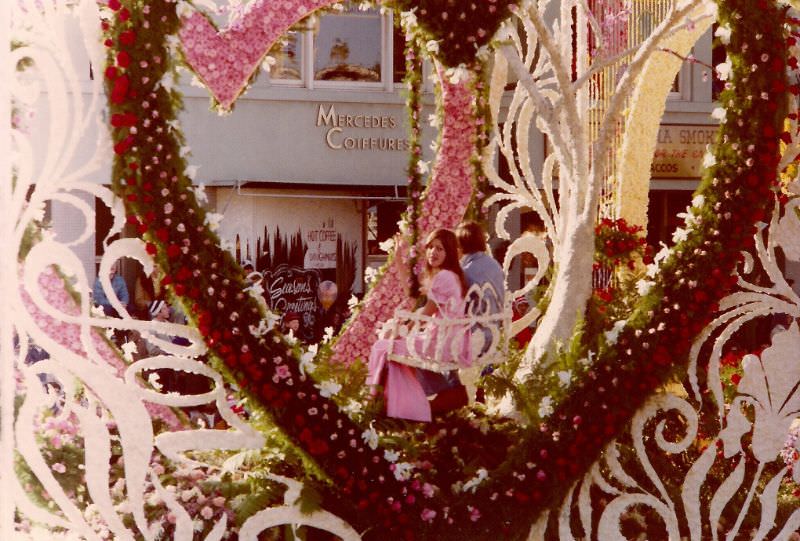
444,285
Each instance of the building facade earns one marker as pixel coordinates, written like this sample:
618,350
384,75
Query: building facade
309,167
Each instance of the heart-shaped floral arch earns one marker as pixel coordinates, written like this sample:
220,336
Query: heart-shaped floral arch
359,479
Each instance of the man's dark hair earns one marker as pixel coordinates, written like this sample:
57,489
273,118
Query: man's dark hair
471,237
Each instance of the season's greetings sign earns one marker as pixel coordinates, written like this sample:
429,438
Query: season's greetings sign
293,289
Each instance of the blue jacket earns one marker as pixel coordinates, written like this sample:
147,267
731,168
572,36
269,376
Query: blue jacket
119,287
481,268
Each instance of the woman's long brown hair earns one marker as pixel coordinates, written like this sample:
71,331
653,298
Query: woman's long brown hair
451,263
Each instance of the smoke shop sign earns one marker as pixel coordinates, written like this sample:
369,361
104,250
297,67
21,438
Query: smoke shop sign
680,149
360,131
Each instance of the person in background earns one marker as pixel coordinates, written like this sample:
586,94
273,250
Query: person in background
328,314
161,312
480,268
100,298
519,308
291,322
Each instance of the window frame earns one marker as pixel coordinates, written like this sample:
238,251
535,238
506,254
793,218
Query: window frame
387,62
293,83
307,81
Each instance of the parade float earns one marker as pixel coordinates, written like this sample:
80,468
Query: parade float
628,413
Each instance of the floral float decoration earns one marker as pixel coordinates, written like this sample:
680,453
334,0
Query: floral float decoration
616,243
455,184
226,60
359,479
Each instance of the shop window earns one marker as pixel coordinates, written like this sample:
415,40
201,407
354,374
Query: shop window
350,47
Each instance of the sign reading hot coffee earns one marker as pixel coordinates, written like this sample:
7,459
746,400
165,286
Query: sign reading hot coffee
293,289
360,131
680,150
321,243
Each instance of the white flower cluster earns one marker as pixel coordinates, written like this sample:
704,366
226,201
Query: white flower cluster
184,9
128,349
266,324
457,74
307,365
545,407
723,32
370,274
255,290
652,268
213,219
643,286
691,218
327,335
328,388
353,407
268,62
724,69
387,245
408,21
613,334
403,471
352,302
480,476
370,437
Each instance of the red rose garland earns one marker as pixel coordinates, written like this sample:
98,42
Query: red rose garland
150,176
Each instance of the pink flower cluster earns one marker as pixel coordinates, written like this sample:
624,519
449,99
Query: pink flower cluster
225,60
68,335
446,200
60,431
613,17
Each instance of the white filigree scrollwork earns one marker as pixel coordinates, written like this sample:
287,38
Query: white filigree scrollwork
712,461
553,110
101,449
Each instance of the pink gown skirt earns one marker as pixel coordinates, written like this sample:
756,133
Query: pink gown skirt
405,398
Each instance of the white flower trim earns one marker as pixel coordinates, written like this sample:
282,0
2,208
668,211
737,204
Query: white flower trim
644,117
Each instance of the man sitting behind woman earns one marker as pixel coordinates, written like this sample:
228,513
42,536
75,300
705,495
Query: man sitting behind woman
406,388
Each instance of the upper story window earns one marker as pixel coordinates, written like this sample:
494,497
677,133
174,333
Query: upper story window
350,48
288,57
